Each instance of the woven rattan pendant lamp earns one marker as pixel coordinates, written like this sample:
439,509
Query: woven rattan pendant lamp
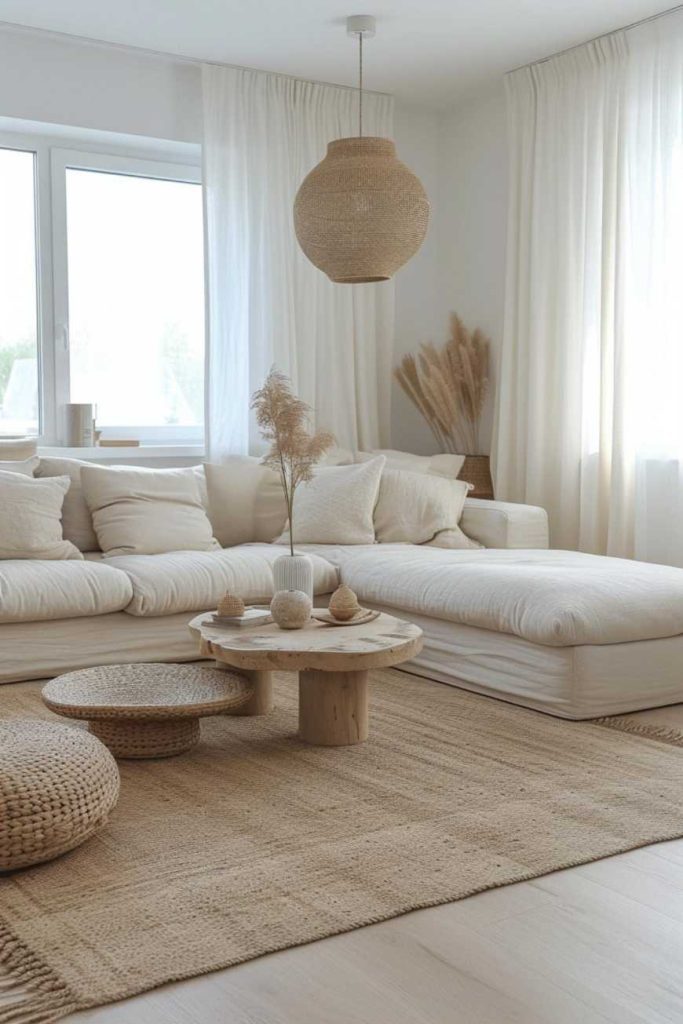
360,214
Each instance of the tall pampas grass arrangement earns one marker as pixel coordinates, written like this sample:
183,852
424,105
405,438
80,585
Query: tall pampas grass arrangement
448,384
284,423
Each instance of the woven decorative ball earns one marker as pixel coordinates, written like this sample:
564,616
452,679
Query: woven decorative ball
230,606
58,785
361,213
343,604
291,609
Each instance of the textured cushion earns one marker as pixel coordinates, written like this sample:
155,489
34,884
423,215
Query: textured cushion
336,506
25,467
505,524
30,518
21,448
559,598
196,580
146,511
77,525
32,591
436,465
418,508
245,501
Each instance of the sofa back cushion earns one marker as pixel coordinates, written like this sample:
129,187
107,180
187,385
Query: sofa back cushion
30,518
443,464
18,448
25,467
138,511
77,525
246,503
418,508
337,505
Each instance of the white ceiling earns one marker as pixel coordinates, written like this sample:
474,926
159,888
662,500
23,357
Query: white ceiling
431,51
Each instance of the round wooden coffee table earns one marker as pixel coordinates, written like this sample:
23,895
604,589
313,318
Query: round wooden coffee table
332,661
146,710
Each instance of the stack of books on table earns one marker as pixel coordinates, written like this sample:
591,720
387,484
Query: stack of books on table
250,617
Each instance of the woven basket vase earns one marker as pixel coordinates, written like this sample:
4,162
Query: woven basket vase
360,214
476,470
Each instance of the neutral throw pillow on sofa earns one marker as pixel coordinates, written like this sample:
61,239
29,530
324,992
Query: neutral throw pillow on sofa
77,524
336,506
418,508
245,501
138,511
30,518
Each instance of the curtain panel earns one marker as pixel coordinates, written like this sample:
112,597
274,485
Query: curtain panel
590,416
267,305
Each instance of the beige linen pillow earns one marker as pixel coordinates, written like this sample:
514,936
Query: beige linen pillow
418,508
25,467
138,511
245,500
18,448
336,506
30,518
443,464
77,524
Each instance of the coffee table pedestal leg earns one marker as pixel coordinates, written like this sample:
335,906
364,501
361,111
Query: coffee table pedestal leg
333,707
262,701
141,737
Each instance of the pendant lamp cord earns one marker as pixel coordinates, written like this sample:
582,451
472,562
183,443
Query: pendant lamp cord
360,85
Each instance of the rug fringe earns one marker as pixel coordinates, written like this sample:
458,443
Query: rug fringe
663,733
30,993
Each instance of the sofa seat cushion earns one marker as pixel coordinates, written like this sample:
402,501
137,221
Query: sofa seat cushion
560,598
187,581
35,590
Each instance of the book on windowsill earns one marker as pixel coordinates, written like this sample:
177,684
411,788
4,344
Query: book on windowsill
113,442
250,617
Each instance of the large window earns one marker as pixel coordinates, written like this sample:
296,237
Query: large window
18,296
108,307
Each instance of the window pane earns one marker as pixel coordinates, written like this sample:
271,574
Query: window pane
136,300
18,309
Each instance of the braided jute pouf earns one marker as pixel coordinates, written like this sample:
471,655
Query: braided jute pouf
148,710
57,787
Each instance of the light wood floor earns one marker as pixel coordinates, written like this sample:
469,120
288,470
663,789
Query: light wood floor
598,943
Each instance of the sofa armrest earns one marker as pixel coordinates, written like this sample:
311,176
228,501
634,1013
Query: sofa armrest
502,524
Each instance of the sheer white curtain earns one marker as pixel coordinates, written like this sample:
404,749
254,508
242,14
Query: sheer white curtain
590,419
266,303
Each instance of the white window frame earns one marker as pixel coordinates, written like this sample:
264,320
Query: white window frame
51,161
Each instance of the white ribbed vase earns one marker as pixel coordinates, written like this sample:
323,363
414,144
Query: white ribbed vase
293,572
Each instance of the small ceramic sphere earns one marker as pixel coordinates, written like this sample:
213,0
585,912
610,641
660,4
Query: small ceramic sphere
343,604
291,609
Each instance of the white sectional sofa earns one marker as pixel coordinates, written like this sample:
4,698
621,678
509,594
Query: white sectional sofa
574,635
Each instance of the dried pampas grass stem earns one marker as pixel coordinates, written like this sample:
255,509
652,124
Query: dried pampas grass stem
294,450
448,385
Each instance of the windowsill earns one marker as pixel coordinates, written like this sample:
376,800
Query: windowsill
136,452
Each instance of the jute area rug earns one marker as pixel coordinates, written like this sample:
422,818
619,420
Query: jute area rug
256,842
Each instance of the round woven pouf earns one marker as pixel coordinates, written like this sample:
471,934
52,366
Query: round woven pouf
58,785
147,710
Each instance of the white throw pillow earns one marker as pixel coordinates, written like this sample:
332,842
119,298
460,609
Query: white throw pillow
77,524
138,511
30,518
443,464
418,508
246,501
25,467
336,506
